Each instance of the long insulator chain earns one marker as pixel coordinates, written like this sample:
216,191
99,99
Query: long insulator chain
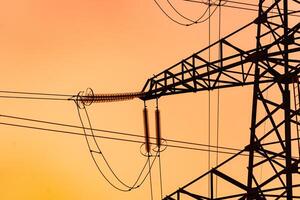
146,129
88,97
157,126
147,132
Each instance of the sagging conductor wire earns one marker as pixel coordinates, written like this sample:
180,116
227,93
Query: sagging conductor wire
81,104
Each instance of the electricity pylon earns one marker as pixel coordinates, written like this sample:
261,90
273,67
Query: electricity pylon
272,65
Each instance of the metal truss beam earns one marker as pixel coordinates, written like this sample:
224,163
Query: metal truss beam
271,66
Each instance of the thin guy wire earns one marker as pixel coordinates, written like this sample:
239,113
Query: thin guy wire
160,176
150,178
209,103
218,99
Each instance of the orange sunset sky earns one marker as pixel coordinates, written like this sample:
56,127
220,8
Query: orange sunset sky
64,46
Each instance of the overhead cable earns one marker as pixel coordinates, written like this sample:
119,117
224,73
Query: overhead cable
122,139
114,132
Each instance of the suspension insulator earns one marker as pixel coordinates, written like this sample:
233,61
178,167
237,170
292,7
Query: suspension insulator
146,130
158,128
89,97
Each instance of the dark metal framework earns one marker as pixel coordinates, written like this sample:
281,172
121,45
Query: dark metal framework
271,66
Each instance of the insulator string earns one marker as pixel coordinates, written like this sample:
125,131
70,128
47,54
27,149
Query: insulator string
89,97
158,144
157,125
146,129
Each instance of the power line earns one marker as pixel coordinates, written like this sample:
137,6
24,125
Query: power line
197,21
240,7
250,4
129,188
179,13
183,16
34,98
209,4
166,14
114,132
229,6
8,94
126,140
118,133
34,93
109,138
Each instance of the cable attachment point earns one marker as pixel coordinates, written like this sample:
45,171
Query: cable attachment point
89,97
83,99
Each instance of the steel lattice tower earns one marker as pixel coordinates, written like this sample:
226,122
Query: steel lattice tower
272,65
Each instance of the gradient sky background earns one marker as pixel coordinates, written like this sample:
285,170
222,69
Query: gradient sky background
64,46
